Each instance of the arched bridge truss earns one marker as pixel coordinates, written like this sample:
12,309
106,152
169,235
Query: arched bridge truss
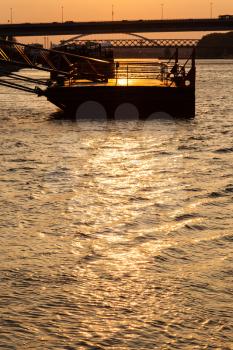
144,43
137,41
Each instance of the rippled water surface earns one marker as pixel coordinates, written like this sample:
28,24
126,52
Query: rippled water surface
117,235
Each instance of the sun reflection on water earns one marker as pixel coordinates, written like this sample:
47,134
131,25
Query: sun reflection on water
117,235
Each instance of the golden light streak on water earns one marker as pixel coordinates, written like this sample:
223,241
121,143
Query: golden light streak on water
117,235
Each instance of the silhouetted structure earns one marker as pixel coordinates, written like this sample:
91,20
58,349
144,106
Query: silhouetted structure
125,26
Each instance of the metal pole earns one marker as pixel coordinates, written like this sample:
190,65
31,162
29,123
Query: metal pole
162,6
211,10
112,13
11,15
116,72
62,14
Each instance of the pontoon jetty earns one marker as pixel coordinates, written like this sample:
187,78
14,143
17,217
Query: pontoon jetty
150,85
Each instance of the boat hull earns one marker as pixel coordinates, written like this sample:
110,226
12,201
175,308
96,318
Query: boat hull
146,101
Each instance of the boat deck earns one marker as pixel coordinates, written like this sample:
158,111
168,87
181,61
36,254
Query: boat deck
122,82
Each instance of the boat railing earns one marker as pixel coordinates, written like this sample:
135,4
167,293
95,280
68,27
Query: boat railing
136,70
57,63
165,73
67,68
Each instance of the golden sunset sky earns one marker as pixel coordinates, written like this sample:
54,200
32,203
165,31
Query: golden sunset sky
25,11
84,10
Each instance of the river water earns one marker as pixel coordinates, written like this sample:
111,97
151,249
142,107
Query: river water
117,235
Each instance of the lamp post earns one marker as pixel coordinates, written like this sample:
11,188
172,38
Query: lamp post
62,14
162,7
112,13
211,9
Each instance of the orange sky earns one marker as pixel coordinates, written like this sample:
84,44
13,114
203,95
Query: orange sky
83,10
96,10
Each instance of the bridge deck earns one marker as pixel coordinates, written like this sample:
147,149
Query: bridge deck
124,26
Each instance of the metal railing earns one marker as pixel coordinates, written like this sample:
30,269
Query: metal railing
136,70
56,62
70,69
170,73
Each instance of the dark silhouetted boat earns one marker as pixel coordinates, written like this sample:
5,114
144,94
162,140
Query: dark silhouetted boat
77,81
150,86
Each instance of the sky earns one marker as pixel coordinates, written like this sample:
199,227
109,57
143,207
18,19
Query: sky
84,10
27,11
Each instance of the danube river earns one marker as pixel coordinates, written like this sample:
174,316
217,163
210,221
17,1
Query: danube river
117,235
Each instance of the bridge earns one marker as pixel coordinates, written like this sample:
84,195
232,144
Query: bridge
143,43
110,27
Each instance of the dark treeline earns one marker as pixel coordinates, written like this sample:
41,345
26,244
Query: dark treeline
216,45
